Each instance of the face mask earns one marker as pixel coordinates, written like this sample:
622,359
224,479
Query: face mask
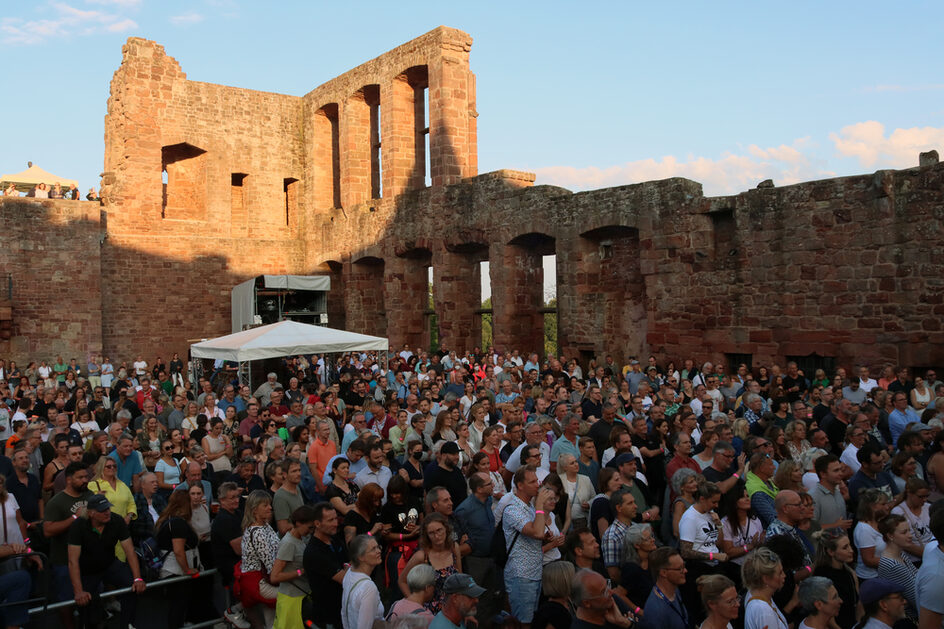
418,455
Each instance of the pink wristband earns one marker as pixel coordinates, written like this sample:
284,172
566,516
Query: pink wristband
711,556
537,511
736,475
636,611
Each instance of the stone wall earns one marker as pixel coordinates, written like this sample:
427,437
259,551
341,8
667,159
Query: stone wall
50,251
335,182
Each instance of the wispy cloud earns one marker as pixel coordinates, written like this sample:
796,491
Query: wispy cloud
732,172
64,21
186,19
128,4
867,142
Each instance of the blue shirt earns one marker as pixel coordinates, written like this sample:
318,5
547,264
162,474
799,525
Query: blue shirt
897,421
238,402
563,445
131,466
664,614
476,519
441,622
860,481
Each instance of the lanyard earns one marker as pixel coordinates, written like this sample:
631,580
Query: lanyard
680,610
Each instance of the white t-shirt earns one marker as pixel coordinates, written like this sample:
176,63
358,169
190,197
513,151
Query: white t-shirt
810,479
867,537
759,614
360,601
928,590
44,372
752,528
849,458
13,533
920,525
700,529
140,367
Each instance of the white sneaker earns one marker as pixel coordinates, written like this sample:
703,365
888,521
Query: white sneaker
236,619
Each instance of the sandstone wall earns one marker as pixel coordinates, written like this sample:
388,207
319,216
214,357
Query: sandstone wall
334,182
50,250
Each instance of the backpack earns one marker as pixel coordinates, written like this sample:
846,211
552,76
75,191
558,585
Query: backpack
150,559
499,549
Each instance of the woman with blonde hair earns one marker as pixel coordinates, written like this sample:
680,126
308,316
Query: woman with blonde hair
797,444
762,574
834,555
260,545
790,476
557,581
720,599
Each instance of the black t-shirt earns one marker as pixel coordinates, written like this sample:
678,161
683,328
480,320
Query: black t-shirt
637,582
452,480
225,528
600,508
27,496
789,383
176,528
397,516
600,433
322,562
553,614
98,549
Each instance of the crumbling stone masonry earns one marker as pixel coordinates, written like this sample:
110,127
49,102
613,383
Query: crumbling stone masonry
372,177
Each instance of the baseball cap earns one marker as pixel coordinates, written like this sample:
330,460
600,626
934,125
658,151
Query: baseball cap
464,584
876,589
622,459
99,503
450,447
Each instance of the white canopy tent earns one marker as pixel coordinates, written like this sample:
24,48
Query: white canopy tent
25,180
285,338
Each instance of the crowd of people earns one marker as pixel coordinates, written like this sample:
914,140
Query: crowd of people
54,191
437,490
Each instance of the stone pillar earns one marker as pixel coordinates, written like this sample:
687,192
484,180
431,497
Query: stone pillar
355,151
404,138
517,279
337,315
457,290
364,296
452,112
406,299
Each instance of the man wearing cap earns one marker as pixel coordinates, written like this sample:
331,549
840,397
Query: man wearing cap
626,465
446,473
92,560
884,603
462,597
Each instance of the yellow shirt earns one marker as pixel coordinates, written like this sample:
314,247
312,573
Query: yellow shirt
122,503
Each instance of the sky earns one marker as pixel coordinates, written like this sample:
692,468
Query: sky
586,95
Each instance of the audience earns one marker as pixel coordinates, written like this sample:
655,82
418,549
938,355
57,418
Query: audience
514,446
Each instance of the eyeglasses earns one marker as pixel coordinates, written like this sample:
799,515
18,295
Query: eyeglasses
111,467
168,448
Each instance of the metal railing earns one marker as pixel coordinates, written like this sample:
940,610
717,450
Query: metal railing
46,606
120,591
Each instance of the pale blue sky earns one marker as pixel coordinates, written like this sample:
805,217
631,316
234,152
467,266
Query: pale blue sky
585,94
